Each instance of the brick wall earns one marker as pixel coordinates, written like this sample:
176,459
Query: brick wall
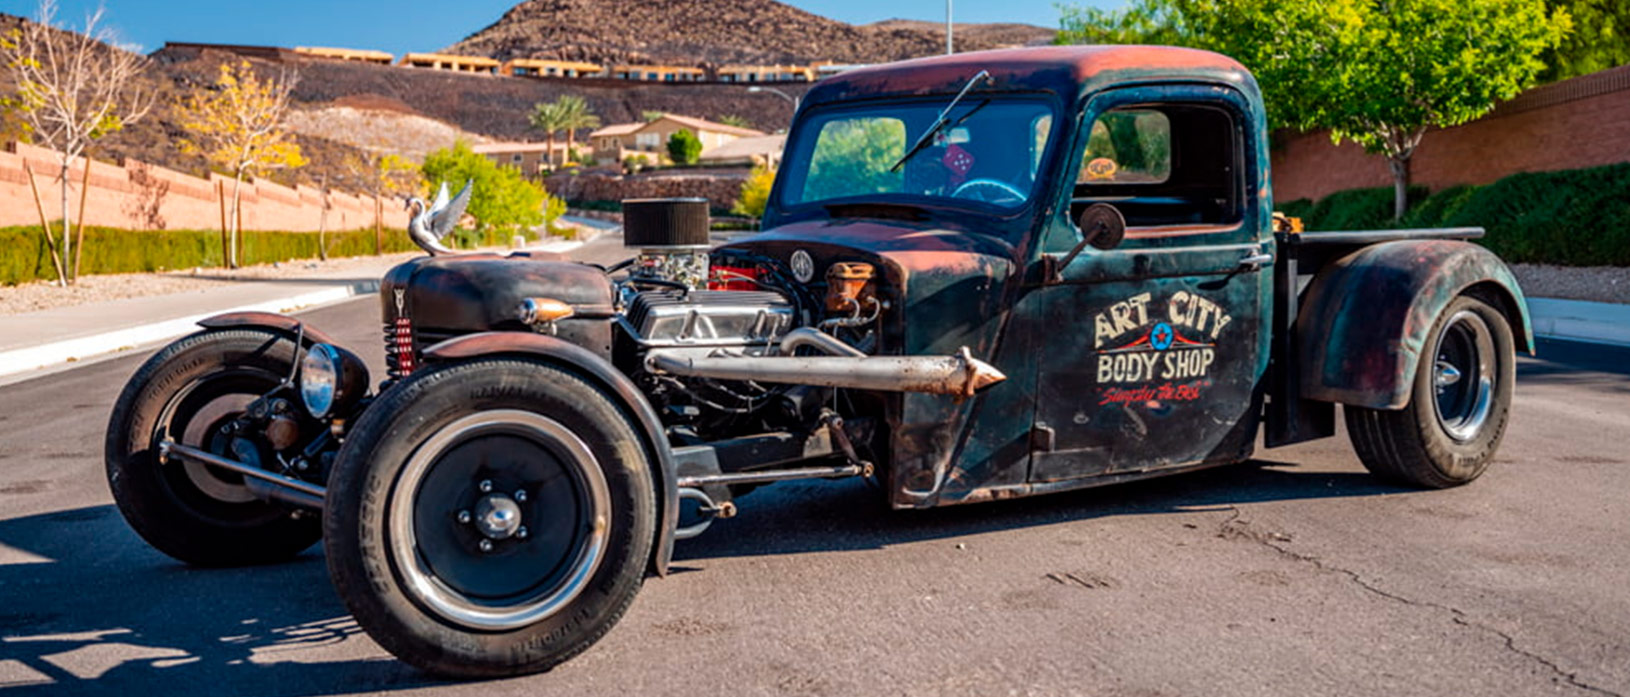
1582,122
141,196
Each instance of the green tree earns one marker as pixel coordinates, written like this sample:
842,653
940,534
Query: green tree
1600,39
735,120
684,148
1379,74
755,193
649,116
550,119
502,199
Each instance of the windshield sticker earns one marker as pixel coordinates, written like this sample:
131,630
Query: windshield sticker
1152,352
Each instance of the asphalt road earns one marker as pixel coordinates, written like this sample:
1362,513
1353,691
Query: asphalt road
1297,575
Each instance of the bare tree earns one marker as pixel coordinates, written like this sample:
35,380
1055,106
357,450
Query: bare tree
72,88
238,127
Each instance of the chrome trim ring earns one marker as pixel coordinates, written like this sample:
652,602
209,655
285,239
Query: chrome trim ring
1463,375
420,581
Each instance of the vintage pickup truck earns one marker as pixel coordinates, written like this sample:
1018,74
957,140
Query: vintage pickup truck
980,276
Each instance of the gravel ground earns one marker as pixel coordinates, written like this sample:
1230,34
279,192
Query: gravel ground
1603,284
1609,284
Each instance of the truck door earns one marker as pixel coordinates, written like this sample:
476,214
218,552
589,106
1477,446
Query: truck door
1167,333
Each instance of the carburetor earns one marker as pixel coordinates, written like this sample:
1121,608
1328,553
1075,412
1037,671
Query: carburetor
670,239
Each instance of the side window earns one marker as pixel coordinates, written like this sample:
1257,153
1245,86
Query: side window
1164,165
1133,146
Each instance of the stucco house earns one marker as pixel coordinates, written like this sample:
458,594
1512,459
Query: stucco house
618,141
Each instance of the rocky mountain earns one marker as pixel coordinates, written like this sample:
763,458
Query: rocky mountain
716,32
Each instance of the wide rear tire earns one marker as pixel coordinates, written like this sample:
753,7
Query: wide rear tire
490,518
1459,407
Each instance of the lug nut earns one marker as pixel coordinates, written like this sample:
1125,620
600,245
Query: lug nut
520,496
486,486
464,517
486,545
521,533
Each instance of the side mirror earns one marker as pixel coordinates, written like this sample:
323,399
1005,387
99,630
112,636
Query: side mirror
1102,226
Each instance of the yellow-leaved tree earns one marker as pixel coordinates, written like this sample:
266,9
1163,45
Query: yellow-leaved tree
68,89
238,126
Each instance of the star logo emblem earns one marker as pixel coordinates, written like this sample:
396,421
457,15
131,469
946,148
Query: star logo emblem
1161,337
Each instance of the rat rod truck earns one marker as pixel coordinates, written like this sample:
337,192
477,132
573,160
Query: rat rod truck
980,276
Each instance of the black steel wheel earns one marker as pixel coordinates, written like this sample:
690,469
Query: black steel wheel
1457,414
490,518
191,392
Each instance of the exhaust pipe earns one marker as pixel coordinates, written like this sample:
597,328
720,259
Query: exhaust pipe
961,375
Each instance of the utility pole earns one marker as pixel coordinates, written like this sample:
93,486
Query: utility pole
948,48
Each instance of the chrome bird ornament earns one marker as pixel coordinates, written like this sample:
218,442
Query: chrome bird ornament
431,223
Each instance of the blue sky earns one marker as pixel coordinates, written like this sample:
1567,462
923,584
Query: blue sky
398,26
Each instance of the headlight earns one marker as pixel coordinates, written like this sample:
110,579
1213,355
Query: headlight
320,379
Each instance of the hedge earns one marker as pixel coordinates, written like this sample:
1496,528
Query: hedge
1578,217
113,250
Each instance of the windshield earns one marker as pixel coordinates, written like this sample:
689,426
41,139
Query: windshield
989,152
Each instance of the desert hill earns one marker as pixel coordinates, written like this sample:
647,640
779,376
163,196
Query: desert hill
716,32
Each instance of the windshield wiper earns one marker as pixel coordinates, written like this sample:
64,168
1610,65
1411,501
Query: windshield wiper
941,122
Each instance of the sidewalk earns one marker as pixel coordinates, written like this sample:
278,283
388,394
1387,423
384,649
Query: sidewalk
34,341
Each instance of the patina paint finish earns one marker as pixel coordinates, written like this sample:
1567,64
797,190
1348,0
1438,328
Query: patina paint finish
1366,316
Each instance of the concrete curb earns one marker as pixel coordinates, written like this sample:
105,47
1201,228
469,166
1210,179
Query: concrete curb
1578,320
70,350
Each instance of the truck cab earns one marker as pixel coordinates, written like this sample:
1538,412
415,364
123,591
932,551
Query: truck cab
979,276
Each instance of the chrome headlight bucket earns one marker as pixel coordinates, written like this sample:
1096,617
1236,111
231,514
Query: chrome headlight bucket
331,380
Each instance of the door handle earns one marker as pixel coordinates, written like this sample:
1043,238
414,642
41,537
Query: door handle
1255,261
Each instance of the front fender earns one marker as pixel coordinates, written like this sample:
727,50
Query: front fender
1364,320
602,373
283,324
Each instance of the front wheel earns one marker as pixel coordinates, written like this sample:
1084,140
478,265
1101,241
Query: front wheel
193,392
1461,401
490,518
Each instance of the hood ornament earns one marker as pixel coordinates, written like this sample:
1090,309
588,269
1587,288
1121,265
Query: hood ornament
431,223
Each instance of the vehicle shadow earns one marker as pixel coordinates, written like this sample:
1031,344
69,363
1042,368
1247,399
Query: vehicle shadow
848,516
92,610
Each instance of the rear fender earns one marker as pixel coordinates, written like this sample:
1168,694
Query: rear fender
1363,322
282,324
608,378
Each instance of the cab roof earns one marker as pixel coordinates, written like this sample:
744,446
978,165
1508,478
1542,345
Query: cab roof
1069,71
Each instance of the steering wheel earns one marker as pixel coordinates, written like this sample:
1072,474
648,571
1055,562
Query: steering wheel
998,192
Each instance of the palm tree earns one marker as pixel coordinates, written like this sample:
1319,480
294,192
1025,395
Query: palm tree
577,114
548,118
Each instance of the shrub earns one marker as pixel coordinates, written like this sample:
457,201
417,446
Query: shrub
755,193
1357,209
684,147
112,250
1577,217
502,198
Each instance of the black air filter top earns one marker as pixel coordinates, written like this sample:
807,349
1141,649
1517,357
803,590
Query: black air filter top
665,222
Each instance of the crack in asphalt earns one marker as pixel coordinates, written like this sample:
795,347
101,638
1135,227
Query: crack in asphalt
1232,528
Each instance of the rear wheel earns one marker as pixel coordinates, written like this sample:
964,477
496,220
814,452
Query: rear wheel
490,518
192,392
1457,414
